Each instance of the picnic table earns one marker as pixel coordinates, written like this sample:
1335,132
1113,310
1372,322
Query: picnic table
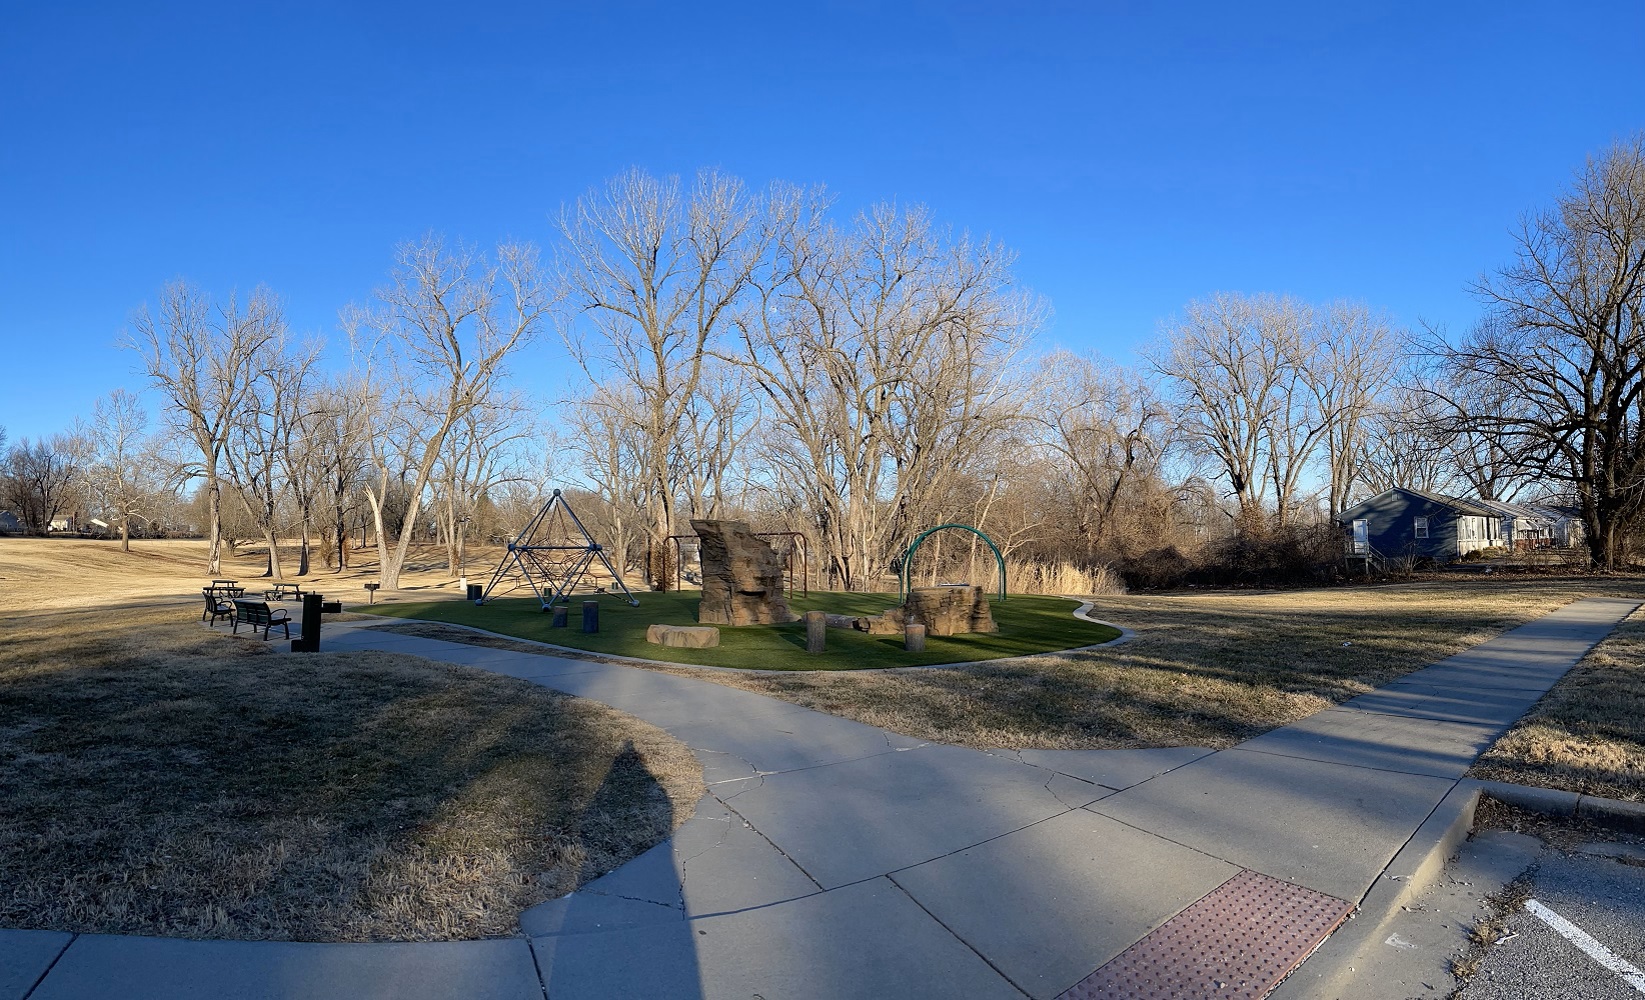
284,592
226,588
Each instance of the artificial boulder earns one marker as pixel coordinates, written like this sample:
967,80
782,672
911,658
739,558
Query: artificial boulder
683,636
950,610
742,576
890,623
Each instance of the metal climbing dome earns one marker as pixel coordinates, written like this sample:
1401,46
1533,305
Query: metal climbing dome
551,555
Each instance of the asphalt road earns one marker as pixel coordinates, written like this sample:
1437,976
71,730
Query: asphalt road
1601,896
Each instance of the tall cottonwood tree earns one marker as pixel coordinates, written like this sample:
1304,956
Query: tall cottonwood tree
261,451
1556,373
203,363
434,349
1231,359
653,271
885,358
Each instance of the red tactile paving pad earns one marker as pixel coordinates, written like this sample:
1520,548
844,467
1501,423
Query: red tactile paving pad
1236,943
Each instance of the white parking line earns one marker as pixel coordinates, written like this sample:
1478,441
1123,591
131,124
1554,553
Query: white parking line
1582,939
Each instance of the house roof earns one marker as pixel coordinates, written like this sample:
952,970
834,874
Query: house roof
1514,509
1470,508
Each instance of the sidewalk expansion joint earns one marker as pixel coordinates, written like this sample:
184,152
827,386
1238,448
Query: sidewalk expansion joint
54,960
938,920
774,845
536,966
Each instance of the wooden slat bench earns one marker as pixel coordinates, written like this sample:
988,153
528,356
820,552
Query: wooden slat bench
259,615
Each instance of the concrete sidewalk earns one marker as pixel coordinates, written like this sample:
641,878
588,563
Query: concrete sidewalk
833,859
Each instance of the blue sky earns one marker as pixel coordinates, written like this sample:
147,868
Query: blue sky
1135,155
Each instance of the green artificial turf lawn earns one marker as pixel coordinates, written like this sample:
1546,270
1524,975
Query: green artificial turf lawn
1027,625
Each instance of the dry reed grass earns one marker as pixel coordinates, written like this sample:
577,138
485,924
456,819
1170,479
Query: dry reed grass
1061,579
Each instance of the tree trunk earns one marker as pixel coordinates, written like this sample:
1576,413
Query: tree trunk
273,571
302,556
214,515
125,534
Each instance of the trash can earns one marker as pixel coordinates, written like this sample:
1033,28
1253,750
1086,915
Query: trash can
475,591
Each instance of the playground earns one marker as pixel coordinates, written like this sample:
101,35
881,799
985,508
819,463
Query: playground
1026,625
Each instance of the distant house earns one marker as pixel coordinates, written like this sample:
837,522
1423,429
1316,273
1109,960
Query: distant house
1566,529
1406,522
9,524
1523,526
61,525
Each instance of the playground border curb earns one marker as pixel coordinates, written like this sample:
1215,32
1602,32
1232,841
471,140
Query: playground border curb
572,652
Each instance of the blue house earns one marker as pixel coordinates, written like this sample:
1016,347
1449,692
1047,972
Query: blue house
1404,522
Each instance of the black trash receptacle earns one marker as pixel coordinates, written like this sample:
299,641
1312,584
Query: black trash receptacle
475,592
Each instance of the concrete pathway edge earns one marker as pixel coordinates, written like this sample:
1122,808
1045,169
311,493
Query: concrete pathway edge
1420,863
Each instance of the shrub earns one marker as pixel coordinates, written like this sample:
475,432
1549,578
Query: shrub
1253,557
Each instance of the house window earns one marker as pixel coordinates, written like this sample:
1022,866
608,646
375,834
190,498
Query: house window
1422,527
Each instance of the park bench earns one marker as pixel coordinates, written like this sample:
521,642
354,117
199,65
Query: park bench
259,615
284,592
216,607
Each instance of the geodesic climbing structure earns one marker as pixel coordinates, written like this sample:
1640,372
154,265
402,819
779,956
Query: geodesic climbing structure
552,555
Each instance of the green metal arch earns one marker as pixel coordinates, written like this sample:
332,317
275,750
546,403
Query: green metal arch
908,556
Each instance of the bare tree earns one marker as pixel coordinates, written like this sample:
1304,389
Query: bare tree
713,438
481,455
204,366
120,471
655,272
885,358
1349,362
40,478
334,458
445,328
1110,430
1556,373
607,439
1232,360
1404,444
258,454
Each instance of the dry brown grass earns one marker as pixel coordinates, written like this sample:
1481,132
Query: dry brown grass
1489,929
159,778
1206,669
1588,733
40,573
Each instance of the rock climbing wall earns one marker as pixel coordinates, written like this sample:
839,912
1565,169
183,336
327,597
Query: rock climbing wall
950,610
742,576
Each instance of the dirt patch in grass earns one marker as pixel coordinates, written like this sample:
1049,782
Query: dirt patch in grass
160,778
1588,733
1204,670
